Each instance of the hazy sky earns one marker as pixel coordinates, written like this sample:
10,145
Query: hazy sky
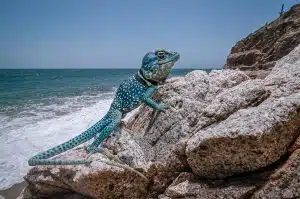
116,34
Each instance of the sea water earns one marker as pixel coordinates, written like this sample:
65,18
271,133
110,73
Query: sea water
40,108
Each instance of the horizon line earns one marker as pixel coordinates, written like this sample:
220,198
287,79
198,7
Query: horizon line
95,68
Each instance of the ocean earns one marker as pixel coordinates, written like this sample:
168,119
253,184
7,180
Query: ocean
40,108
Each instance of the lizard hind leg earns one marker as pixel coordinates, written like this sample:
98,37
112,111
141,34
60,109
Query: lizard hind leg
114,121
42,158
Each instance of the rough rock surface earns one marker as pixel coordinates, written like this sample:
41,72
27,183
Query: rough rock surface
255,137
187,185
98,180
257,53
285,182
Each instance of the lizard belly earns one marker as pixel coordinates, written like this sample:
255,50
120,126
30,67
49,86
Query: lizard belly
130,106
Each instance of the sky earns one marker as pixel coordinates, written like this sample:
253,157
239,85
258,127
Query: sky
117,34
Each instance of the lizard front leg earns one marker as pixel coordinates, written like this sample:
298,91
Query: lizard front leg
147,100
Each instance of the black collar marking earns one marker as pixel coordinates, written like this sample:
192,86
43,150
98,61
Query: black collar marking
142,80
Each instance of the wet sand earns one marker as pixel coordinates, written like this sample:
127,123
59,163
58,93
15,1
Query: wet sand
13,192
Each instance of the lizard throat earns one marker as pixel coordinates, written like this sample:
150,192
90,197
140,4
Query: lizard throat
140,78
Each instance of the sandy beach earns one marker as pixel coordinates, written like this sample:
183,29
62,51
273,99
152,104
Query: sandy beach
13,192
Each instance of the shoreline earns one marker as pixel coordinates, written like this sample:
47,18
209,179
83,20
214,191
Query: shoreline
14,191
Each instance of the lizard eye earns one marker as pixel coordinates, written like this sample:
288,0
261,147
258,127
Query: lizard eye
160,53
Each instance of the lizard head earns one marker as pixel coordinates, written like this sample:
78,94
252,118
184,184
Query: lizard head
156,66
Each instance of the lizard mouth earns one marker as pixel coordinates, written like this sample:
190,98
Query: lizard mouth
165,67
175,57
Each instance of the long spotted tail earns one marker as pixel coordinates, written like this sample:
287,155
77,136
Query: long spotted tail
41,158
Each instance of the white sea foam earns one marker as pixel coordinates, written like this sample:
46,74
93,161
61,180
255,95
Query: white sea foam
39,128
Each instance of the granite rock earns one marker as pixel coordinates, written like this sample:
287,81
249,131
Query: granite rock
186,185
284,183
255,137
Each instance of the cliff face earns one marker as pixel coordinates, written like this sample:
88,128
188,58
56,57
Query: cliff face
257,53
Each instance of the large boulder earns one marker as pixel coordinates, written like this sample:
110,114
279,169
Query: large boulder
98,180
247,140
255,137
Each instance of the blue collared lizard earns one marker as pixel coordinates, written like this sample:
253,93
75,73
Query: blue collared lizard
156,67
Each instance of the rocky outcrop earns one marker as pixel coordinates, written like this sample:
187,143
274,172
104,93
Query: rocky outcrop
284,183
257,53
189,185
255,137
247,140
225,135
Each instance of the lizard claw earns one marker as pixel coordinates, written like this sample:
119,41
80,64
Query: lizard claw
163,107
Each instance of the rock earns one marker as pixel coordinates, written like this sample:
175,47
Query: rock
26,194
99,180
245,60
248,93
154,147
295,146
187,185
218,125
247,140
284,183
255,137
223,79
285,76
257,53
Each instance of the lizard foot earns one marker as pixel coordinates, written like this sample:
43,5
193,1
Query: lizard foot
163,108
